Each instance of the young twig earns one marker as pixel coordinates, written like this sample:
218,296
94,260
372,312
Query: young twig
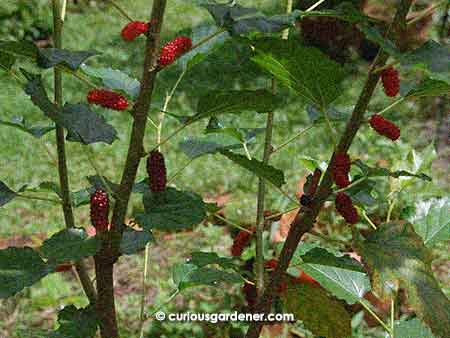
59,8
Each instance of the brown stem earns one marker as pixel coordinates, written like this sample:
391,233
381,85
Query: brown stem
105,306
61,150
306,217
105,259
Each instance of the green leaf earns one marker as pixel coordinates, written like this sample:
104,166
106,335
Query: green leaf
188,275
171,210
218,102
134,241
321,314
19,49
373,34
21,124
46,186
361,193
194,147
308,71
341,275
201,259
69,245
378,171
115,79
6,194
98,182
419,162
82,124
19,268
432,221
396,253
433,58
265,171
6,61
76,323
430,87
413,328
51,57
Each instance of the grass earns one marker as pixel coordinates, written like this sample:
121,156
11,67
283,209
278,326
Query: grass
25,160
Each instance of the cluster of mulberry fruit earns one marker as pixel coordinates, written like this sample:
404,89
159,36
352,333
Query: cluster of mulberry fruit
241,241
100,210
345,207
133,29
391,81
156,170
384,127
340,170
173,50
107,99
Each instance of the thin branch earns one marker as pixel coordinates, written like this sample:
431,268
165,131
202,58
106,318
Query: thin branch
121,10
291,139
59,9
372,224
306,217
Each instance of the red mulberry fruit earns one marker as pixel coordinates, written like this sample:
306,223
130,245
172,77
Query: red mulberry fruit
107,99
384,127
271,264
341,169
304,278
100,210
240,242
173,50
63,267
391,81
156,169
250,294
133,29
345,207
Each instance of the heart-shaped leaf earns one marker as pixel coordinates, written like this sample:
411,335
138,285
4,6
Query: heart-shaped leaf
114,79
171,210
395,253
20,268
134,241
308,71
69,245
432,221
260,169
76,323
82,124
321,314
51,57
21,124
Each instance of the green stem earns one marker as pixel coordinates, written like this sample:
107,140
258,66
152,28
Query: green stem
179,171
206,39
392,105
372,224
59,9
293,138
351,185
121,10
91,158
233,224
391,208
317,4
144,291
36,198
374,315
